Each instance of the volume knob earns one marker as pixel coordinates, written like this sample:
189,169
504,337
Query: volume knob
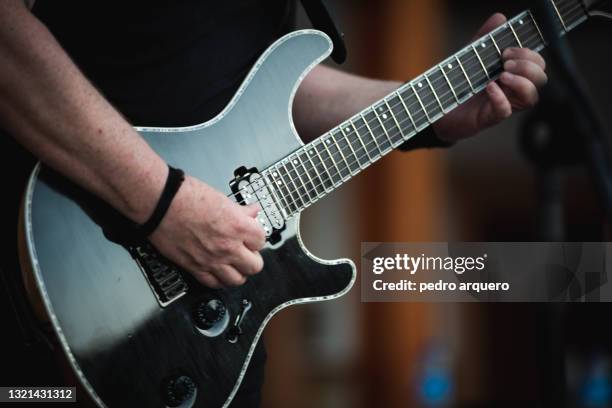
179,390
209,313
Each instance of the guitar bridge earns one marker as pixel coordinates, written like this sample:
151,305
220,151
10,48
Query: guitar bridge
163,276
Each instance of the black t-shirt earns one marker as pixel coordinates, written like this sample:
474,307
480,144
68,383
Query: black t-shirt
160,63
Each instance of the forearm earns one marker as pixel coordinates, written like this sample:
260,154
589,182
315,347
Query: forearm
328,96
53,111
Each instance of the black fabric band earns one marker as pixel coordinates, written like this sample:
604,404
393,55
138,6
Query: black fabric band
173,182
426,138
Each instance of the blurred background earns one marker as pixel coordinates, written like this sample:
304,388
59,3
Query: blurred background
345,353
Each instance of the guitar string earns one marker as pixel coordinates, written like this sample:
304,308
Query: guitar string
310,186
288,195
463,87
354,159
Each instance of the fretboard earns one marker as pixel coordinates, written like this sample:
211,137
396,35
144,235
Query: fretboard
318,168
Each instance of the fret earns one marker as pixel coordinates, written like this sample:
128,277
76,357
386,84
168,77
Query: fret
306,190
312,169
350,132
420,101
573,13
382,125
361,140
378,133
346,150
399,113
428,100
318,161
515,36
415,108
389,122
450,86
367,125
504,38
471,64
466,75
333,145
535,23
274,193
484,68
559,15
312,183
490,57
414,126
401,132
495,44
527,33
327,156
434,93
346,140
296,191
362,128
284,191
442,90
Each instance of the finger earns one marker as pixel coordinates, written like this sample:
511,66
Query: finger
522,88
247,262
493,22
228,275
527,69
208,279
499,105
524,54
254,236
251,210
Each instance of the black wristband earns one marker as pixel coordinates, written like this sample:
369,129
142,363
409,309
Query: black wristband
173,182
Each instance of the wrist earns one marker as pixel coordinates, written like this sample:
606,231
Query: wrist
142,194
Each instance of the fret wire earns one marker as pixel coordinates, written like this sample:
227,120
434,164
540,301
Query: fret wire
481,63
331,179
371,133
383,126
295,187
465,73
495,44
421,103
559,15
299,177
309,154
434,93
331,156
289,191
273,193
537,27
361,140
299,159
361,144
449,84
348,142
341,154
515,36
282,185
395,119
406,109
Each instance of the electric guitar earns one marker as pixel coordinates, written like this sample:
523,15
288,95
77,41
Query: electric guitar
140,332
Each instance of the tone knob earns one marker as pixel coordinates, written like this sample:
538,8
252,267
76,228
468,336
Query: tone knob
179,390
209,313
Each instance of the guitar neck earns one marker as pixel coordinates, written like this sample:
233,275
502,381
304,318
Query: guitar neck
318,168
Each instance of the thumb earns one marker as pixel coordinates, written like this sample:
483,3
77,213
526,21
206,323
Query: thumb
492,23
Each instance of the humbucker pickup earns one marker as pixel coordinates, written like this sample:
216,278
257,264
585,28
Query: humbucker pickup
162,275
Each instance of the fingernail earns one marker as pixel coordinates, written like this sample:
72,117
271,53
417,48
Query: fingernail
506,77
507,53
511,64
